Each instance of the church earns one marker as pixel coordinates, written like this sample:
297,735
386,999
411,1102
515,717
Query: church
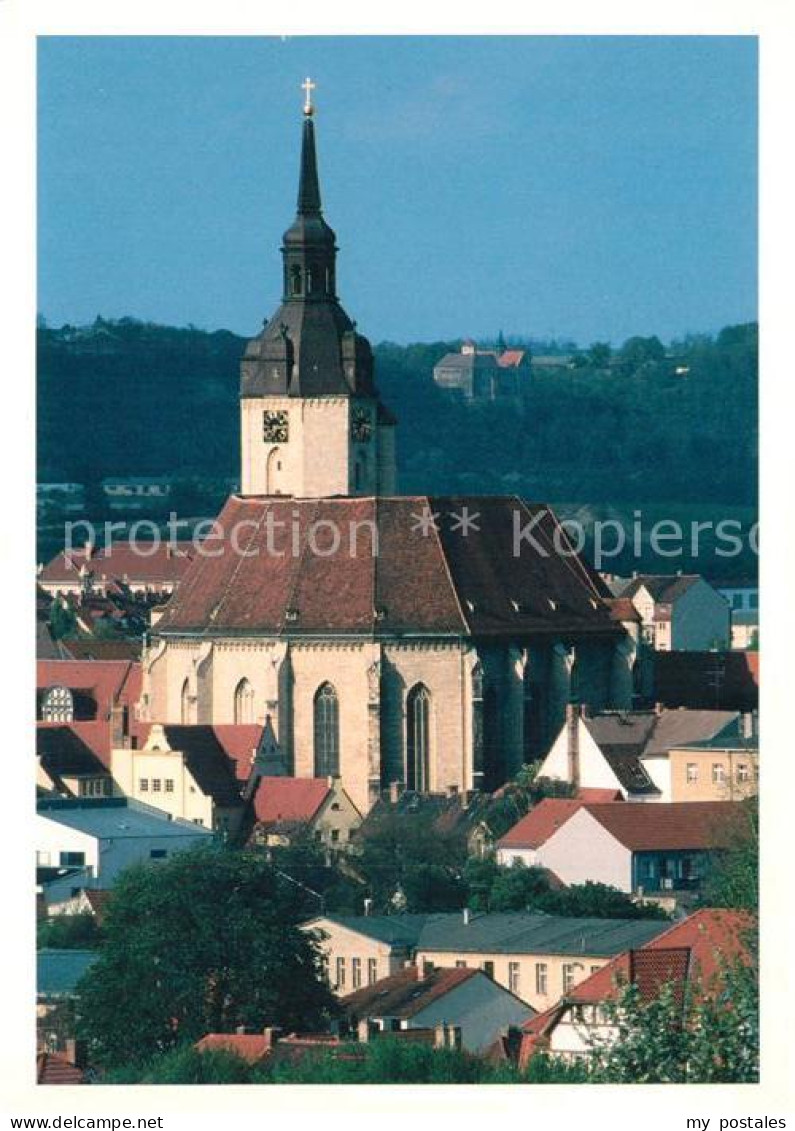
425,641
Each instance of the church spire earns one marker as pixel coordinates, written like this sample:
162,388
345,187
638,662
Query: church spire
308,185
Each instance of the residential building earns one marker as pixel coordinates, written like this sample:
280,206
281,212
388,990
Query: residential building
716,770
150,569
100,838
484,375
68,765
680,613
638,849
465,999
95,698
360,950
745,629
692,955
537,957
629,750
183,770
521,844
317,807
381,654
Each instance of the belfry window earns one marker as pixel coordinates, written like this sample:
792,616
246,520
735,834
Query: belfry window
295,280
58,706
327,732
418,740
186,705
244,702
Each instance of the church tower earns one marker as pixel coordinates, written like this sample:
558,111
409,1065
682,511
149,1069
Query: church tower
312,424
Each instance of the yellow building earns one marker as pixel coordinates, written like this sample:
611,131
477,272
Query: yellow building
703,772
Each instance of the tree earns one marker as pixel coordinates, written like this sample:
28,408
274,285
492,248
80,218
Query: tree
733,880
186,1066
69,932
599,354
598,901
638,351
202,943
62,621
518,888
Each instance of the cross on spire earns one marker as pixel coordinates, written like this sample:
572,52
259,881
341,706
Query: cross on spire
308,86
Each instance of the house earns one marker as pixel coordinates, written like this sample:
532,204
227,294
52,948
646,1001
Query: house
463,998
96,699
87,901
639,849
285,807
745,629
741,593
537,957
68,765
99,838
522,842
483,375
718,769
360,950
690,955
183,770
272,1045
680,613
629,751
144,568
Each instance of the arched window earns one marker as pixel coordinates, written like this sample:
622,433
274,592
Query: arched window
185,705
58,706
295,280
244,702
273,472
327,732
418,738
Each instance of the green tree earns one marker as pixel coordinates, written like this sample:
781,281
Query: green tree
62,621
69,932
518,888
599,901
733,880
599,355
202,943
638,351
186,1065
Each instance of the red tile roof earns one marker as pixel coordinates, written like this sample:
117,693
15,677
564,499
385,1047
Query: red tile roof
671,825
150,563
509,358
110,682
592,795
286,801
540,823
440,582
406,993
251,1047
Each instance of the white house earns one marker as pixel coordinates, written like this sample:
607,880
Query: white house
680,613
100,838
627,751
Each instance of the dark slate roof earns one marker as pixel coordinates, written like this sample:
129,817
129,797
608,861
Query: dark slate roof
652,733
629,770
395,930
525,932
663,588
59,971
439,583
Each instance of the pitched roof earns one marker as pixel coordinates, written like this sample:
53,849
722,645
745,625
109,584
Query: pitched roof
440,583
287,801
59,971
594,795
510,358
622,609
406,993
206,759
155,563
109,682
693,825
652,733
93,648
64,753
537,826
396,930
662,588
527,932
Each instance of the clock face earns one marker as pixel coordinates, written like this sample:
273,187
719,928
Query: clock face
361,425
275,427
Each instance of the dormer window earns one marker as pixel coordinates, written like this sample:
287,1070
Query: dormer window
58,706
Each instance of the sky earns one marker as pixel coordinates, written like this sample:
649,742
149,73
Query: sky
585,188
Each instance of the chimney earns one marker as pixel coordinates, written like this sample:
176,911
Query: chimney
573,713
272,1034
76,1052
395,790
466,916
748,725
88,550
659,708
368,906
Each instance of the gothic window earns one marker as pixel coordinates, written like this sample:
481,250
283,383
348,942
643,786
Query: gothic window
58,706
295,280
244,702
327,732
185,705
418,738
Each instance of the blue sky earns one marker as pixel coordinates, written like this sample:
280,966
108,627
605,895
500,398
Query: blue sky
577,187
